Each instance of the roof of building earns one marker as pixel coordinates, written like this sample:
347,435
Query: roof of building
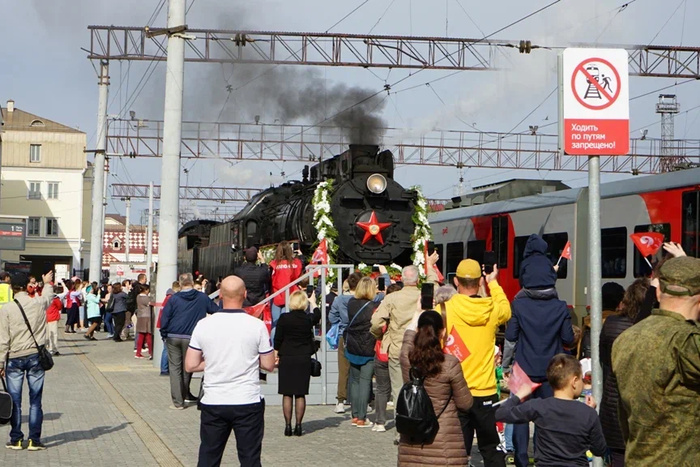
116,218
19,120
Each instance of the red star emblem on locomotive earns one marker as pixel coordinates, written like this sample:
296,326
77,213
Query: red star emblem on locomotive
373,228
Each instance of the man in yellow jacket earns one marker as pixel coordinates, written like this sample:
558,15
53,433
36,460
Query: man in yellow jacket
6,295
476,319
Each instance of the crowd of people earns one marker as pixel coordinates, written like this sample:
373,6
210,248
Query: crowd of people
388,337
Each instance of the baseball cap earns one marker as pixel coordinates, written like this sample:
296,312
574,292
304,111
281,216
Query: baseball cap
469,269
20,279
680,276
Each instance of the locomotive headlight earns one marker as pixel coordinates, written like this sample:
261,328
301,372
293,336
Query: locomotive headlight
376,183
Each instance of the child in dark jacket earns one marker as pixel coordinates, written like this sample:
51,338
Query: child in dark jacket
566,428
540,327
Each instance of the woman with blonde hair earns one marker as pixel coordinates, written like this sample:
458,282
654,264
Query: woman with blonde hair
360,349
294,344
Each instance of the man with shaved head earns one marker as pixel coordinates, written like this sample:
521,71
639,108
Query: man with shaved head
231,347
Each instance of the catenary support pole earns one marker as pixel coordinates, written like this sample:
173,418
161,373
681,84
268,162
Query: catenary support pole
149,233
98,182
595,275
127,237
170,168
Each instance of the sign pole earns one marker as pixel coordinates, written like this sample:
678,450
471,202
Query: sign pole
595,275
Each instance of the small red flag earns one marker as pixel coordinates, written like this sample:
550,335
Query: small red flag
566,253
648,243
518,378
454,345
320,256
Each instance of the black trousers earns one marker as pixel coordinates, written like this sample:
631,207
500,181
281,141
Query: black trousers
482,419
118,319
217,421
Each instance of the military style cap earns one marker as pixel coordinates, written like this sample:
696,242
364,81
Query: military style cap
469,269
680,276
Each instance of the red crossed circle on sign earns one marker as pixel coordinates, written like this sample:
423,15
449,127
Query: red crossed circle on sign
610,98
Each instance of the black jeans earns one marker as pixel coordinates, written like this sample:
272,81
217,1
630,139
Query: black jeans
118,319
217,421
482,418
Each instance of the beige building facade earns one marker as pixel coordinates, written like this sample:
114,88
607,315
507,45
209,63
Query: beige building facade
47,179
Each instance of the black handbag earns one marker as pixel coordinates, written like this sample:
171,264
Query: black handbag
5,405
45,358
315,366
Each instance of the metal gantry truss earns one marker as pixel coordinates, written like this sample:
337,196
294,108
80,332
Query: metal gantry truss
199,193
363,50
235,142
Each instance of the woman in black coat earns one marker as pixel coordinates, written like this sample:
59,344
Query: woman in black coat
294,343
615,325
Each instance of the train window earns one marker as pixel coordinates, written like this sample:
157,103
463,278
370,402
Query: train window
690,236
475,250
499,227
455,254
439,249
518,252
614,252
251,227
641,267
555,245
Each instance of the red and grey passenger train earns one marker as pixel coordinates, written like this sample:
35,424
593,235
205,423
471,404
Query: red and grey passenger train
666,203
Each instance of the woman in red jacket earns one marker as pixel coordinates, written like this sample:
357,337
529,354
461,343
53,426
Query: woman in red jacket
285,270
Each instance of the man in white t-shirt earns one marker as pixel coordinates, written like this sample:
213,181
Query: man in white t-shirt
231,347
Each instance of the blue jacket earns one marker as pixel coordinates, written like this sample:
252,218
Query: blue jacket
339,311
540,326
536,270
183,311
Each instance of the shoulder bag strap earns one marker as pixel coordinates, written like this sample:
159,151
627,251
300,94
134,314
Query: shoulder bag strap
443,312
446,404
26,321
357,314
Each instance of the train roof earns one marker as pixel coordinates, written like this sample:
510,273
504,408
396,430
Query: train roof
631,186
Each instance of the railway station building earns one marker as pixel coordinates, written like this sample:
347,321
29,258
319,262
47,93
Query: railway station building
47,180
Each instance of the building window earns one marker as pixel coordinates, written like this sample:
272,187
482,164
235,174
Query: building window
614,252
35,153
51,227
116,244
53,190
34,190
33,226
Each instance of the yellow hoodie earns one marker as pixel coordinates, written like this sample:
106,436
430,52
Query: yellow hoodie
476,321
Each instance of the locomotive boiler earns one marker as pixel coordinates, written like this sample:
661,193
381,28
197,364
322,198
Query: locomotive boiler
371,212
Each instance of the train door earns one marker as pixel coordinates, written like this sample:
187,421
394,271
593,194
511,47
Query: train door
690,239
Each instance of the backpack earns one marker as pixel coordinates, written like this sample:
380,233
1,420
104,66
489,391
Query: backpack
415,415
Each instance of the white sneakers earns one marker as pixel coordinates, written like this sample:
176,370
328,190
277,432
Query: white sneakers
339,407
379,428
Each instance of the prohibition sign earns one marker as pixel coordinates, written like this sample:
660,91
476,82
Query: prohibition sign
590,79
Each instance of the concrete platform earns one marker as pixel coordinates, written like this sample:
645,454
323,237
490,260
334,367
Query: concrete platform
103,407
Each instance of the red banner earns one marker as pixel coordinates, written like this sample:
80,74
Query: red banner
648,243
454,345
263,312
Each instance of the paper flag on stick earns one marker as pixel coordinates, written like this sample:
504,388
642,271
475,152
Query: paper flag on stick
648,243
454,345
518,378
566,253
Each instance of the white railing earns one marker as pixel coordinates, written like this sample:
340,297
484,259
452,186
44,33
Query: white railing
311,271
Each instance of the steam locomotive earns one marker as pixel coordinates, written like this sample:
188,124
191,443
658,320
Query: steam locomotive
371,212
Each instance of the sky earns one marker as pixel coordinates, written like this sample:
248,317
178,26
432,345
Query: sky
44,70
